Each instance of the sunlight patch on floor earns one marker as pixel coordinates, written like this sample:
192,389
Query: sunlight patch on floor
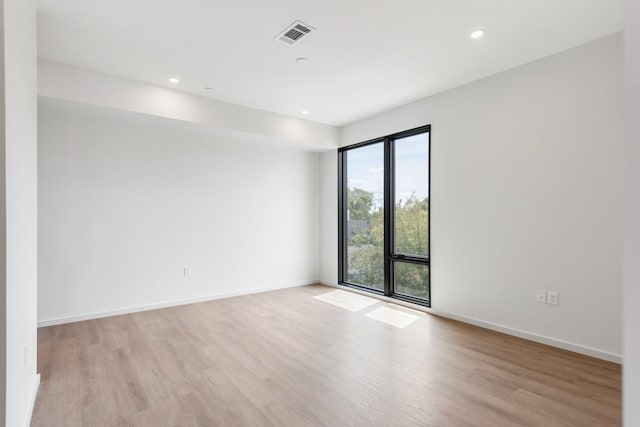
396,318
402,307
346,300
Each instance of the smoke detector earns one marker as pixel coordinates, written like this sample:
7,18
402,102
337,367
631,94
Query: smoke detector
293,33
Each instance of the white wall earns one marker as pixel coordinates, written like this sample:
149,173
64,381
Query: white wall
632,226
526,194
328,217
3,227
126,201
19,188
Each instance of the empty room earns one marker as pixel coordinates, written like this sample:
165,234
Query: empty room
334,213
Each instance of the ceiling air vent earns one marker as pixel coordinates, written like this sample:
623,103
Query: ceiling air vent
294,32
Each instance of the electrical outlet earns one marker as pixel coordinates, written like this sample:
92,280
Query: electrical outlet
187,271
552,297
541,296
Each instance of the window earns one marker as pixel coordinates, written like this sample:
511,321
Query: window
384,215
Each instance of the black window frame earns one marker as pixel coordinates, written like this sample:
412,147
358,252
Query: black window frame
390,257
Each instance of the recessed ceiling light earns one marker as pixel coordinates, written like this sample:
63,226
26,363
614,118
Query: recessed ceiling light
477,34
174,80
305,112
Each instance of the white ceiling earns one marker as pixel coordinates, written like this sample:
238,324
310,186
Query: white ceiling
366,56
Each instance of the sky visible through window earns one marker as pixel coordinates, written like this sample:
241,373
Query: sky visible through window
366,168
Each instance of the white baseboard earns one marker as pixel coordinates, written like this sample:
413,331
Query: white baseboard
565,345
173,303
32,400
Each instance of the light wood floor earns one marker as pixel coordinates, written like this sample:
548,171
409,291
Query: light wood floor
284,359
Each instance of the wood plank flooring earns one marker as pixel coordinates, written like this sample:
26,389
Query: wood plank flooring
283,358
